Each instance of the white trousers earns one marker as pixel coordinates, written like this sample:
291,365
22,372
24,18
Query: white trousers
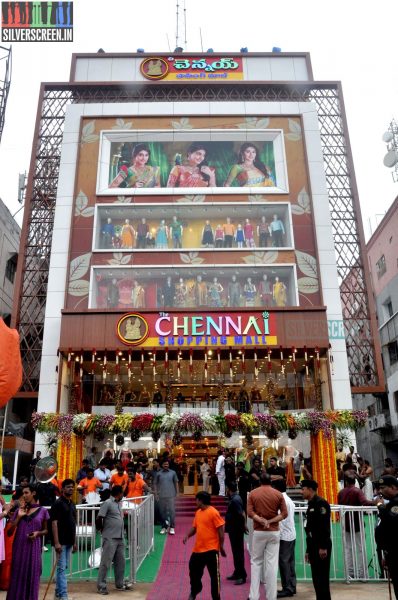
354,545
265,554
221,482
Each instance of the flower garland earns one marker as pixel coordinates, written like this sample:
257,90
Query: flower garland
176,424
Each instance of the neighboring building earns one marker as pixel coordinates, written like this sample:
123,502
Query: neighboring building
10,233
158,153
382,252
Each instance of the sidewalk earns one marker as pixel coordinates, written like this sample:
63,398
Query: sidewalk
87,591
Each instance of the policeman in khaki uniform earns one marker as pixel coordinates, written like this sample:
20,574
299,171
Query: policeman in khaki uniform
319,544
386,533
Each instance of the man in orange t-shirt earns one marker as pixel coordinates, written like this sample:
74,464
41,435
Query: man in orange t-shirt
119,478
135,487
89,484
208,525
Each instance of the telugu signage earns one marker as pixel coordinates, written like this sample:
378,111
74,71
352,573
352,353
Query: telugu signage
166,329
189,68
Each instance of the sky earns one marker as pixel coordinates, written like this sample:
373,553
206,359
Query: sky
349,41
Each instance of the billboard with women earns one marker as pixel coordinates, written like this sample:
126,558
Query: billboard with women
223,161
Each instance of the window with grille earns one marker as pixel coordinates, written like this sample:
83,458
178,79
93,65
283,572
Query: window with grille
11,268
381,266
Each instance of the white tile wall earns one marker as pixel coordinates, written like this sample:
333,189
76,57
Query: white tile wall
313,145
300,69
262,108
99,69
310,119
257,69
282,69
56,282
48,374
289,108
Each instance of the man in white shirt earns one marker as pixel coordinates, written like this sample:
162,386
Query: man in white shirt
220,471
287,544
103,474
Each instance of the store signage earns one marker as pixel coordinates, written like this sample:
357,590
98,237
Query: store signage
192,68
166,329
336,329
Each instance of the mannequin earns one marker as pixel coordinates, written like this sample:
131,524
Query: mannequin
176,231
125,455
249,292
108,451
137,295
263,232
108,234
265,290
207,235
162,235
200,292
215,291
219,236
157,398
249,234
168,293
277,231
229,232
128,235
240,236
279,293
181,293
145,398
255,396
243,401
113,294
290,454
234,292
142,233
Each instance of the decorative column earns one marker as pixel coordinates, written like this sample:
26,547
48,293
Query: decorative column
69,458
323,463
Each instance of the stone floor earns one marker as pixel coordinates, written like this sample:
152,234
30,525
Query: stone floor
87,591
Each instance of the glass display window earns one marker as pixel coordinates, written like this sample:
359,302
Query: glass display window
121,227
155,287
221,161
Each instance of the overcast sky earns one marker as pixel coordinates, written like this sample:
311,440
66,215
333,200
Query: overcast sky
350,41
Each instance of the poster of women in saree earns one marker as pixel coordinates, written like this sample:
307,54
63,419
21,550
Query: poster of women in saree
196,161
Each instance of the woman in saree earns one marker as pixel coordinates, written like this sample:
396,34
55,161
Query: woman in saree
139,174
195,172
31,524
249,170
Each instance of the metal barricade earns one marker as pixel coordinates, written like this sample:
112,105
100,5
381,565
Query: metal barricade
354,552
139,528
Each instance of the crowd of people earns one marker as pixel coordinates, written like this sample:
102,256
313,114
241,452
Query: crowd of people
43,513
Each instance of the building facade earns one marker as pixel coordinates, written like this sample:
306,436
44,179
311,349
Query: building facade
197,212
382,252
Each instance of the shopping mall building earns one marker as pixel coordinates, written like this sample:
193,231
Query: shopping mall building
189,221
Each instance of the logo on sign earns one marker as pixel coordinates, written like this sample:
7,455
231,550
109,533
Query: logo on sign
154,68
37,21
132,329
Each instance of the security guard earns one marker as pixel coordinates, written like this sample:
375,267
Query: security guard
386,533
319,544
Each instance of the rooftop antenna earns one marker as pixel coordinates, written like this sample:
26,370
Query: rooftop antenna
185,26
168,42
177,19
201,41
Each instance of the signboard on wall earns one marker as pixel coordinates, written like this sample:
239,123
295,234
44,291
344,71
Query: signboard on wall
196,329
190,68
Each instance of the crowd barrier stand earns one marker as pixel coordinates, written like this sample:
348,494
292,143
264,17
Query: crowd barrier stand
139,535
354,552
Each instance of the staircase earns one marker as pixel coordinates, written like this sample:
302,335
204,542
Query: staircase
186,505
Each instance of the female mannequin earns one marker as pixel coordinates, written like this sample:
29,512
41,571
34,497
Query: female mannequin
239,236
128,235
108,451
249,292
162,235
279,293
219,236
181,292
125,455
234,292
249,234
207,235
215,290
137,295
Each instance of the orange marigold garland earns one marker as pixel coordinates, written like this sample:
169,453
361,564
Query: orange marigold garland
324,469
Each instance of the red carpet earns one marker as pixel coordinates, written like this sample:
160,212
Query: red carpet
172,582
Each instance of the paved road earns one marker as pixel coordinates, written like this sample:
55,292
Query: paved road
87,591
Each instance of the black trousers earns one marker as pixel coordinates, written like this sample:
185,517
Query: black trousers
392,562
287,566
320,569
197,564
236,539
